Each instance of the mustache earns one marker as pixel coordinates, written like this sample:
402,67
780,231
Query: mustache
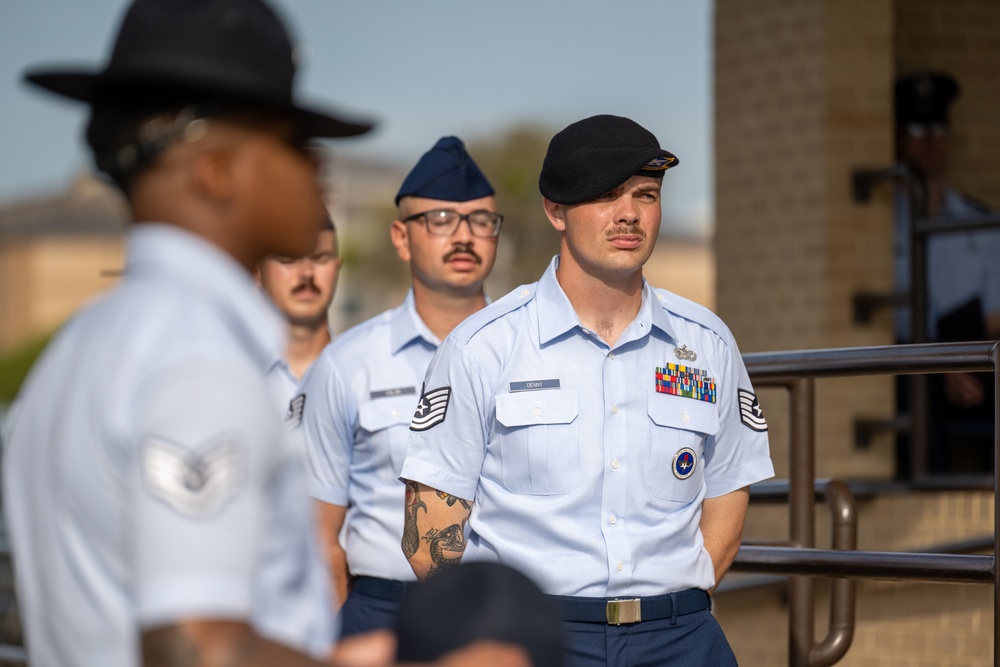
307,284
465,249
626,230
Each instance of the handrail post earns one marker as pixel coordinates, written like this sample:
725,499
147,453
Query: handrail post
919,399
844,529
802,469
995,354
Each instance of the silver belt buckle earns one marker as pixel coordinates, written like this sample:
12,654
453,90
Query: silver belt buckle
624,611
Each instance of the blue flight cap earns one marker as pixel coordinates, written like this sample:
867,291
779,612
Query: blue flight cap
446,172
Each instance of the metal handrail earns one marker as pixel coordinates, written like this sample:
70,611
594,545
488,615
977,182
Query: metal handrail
796,371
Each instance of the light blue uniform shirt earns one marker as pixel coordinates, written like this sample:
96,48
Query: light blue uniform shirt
961,266
585,476
360,396
282,382
148,477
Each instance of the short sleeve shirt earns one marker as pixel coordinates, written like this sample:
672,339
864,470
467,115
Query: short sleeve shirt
359,398
148,477
587,464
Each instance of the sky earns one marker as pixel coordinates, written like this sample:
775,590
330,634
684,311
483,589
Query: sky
422,69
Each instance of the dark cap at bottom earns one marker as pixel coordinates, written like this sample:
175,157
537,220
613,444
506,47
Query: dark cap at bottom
475,601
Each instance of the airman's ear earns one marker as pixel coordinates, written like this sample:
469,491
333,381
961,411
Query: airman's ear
400,234
213,172
556,214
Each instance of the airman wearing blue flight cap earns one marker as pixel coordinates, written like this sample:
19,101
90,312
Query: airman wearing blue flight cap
362,391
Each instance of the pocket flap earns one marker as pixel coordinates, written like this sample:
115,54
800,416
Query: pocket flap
385,412
544,406
683,413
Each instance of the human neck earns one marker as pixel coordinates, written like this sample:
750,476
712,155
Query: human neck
305,343
604,306
442,312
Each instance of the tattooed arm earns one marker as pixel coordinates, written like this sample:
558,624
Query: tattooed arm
434,528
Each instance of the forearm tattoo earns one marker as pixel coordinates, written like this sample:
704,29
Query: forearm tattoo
450,499
411,539
447,546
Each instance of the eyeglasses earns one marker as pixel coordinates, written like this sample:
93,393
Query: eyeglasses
445,222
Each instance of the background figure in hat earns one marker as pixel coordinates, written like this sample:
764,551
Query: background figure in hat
591,431
963,271
302,288
154,499
362,391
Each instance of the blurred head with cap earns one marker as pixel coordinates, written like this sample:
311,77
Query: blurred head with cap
601,181
478,601
187,80
922,111
447,226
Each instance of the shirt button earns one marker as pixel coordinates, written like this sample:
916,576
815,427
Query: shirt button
395,413
614,409
685,418
621,566
611,355
537,412
613,519
614,464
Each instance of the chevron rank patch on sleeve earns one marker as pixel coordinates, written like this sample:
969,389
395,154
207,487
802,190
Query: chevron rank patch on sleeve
431,409
751,413
193,483
293,416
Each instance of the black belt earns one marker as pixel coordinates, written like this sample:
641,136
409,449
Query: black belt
390,590
616,611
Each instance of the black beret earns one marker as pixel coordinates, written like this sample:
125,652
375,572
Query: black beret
473,601
597,154
446,172
924,97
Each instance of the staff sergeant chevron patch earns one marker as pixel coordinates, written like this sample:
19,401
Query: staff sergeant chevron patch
431,409
751,413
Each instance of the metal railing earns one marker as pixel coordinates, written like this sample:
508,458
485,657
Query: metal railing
797,372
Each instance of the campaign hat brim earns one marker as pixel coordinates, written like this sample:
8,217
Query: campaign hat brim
90,87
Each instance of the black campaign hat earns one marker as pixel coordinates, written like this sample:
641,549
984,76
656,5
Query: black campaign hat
473,601
924,97
597,154
229,49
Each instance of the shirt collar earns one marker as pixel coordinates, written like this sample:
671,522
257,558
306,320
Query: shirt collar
406,326
177,255
560,316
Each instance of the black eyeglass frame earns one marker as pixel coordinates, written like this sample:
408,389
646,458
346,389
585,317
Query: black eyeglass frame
462,217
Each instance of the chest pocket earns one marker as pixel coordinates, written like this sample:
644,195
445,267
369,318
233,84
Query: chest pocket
676,423
387,423
537,431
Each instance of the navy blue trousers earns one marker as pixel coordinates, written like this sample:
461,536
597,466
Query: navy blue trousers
363,613
692,640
